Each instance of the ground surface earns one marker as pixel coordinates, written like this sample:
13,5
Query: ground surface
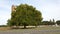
41,30
31,32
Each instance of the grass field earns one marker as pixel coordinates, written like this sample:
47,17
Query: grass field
38,30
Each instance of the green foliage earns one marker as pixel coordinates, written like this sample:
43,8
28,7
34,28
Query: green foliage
3,25
47,23
10,23
58,22
25,15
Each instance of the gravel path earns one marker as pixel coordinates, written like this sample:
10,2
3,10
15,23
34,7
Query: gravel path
31,32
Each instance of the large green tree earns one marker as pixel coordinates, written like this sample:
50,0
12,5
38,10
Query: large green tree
25,15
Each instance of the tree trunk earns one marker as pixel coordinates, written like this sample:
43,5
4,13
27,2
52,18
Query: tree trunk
24,26
36,26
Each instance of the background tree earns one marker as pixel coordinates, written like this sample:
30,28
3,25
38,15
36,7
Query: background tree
58,22
47,23
25,15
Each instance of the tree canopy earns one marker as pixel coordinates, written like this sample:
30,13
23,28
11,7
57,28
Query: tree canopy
25,15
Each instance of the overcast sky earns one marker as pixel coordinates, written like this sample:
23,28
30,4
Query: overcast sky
50,9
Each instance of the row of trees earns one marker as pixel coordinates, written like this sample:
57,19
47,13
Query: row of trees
50,22
58,22
47,23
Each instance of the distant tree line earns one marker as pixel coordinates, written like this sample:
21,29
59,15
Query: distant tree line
50,22
47,23
3,25
58,22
